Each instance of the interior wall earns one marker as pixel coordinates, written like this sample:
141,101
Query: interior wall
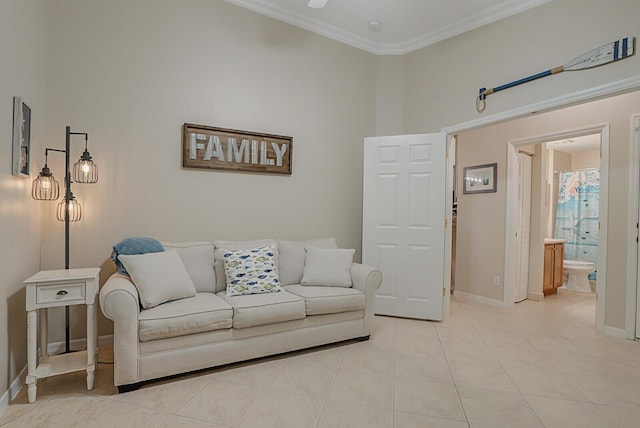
585,160
483,254
389,95
23,27
442,80
131,78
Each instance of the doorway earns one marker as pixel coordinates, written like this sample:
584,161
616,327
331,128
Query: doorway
506,293
569,171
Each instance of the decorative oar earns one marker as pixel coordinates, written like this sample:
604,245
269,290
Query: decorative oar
611,52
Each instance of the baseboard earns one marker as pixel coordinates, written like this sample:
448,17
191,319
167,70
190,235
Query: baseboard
52,349
535,297
615,332
76,344
13,390
480,299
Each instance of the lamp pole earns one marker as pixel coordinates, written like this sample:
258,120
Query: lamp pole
67,202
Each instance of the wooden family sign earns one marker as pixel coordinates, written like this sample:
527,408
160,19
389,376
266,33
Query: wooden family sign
230,149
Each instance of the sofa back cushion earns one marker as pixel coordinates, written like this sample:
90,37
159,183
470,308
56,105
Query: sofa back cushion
292,255
330,268
197,257
221,246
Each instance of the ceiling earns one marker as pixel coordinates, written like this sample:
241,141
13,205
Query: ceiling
404,25
586,143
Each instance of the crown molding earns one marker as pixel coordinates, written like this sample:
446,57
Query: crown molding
495,13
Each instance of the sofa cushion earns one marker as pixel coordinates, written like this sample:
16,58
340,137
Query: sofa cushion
292,254
320,300
202,312
159,277
197,257
327,267
260,309
221,246
251,271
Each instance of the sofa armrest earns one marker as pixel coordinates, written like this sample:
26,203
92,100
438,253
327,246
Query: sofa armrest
366,279
120,303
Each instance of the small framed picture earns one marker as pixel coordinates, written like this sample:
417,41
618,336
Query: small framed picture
21,138
480,178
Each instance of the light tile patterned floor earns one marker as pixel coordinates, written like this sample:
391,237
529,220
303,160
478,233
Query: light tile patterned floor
537,365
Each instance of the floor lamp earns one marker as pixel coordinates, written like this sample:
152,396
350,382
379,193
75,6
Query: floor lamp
46,188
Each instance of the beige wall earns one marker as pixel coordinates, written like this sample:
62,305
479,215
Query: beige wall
23,28
585,160
131,78
389,95
481,218
442,80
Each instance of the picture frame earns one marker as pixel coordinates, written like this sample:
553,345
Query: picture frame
20,165
214,148
480,178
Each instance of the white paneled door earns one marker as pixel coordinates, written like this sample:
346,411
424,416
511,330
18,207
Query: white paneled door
403,222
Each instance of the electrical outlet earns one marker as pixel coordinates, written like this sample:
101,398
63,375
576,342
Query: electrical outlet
496,281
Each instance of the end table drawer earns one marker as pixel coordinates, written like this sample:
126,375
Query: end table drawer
60,293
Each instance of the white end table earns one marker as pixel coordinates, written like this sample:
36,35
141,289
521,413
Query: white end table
49,289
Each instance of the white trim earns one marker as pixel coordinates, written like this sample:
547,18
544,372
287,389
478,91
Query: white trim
13,390
633,265
476,298
614,331
54,348
450,150
586,95
487,16
603,235
607,90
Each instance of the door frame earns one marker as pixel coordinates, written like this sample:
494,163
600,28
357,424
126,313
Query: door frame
523,195
537,243
632,329
618,87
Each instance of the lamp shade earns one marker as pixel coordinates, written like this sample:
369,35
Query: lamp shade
85,170
45,187
75,210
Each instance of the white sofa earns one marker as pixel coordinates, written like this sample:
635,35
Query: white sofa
211,329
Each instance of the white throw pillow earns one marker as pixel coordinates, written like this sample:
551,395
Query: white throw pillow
328,267
159,277
291,257
251,271
218,262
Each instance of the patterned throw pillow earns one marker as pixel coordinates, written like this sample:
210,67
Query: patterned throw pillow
251,271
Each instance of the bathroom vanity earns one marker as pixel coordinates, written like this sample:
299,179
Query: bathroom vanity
553,260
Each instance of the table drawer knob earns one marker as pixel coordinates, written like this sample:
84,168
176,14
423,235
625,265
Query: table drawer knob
62,293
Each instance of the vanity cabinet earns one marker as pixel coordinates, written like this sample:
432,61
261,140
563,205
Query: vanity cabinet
553,260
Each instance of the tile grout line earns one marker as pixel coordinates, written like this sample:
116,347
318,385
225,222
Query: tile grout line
455,385
333,381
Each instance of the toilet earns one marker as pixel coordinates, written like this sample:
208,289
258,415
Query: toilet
577,273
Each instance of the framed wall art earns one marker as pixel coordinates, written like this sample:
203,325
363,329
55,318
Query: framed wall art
233,150
480,178
21,138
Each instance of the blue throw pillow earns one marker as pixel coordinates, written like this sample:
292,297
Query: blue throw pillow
131,246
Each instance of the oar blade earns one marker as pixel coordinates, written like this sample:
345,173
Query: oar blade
611,52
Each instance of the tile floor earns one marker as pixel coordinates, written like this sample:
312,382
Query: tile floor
537,365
